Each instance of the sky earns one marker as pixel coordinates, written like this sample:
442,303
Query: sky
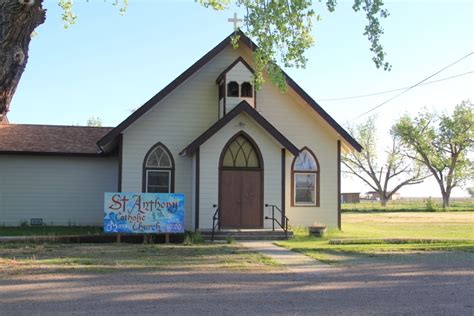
107,64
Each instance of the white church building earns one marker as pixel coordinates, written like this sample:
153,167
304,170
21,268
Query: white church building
208,134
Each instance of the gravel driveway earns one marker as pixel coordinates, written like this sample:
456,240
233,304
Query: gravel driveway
430,284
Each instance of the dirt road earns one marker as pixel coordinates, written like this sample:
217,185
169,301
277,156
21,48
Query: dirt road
430,284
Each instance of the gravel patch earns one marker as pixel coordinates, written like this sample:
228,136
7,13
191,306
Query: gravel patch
422,284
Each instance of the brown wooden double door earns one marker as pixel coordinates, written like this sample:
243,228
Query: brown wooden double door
241,198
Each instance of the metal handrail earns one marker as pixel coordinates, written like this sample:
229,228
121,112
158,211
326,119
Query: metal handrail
215,221
284,220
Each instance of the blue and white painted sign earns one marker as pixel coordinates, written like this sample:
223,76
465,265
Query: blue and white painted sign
129,212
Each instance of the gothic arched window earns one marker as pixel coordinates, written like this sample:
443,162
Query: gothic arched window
241,153
305,179
158,170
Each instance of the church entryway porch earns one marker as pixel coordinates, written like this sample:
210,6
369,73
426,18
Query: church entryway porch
241,184
245,234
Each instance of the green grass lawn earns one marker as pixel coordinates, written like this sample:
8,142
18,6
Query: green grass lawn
102,258
410,205
363,235
408,225
370,234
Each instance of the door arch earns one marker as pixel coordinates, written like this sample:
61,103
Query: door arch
241,183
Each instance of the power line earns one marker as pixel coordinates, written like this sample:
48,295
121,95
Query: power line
413,86
394,90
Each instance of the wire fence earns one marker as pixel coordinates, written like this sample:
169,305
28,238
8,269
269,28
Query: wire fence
411,204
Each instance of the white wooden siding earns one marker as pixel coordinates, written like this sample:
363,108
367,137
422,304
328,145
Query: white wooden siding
181,117
294,118
193,107
221,108
303,127
61,190
209,171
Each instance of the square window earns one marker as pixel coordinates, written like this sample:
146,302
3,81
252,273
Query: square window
158,181
305,188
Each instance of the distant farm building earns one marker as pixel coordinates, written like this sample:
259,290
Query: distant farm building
350,197
374,196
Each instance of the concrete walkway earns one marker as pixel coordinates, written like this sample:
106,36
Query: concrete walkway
294,261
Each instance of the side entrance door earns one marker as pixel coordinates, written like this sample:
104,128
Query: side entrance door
241,184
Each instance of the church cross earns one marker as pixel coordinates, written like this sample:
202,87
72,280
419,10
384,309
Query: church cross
235,21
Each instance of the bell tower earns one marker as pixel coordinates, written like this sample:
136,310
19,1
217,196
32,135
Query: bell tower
235,85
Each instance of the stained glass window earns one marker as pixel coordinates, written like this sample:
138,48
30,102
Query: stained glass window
158,158
305,179
305,162
241,154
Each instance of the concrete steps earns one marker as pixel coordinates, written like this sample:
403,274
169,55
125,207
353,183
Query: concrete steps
245,234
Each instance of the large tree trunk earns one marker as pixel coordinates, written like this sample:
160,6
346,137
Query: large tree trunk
445,193
18,20
446,197
445,201
384,197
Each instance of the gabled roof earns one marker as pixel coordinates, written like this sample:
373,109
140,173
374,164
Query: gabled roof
51,139
238,60
109,140
241,107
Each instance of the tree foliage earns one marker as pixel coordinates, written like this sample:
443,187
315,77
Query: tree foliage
384,175
441,143
69,17
94,121
282,30
471,191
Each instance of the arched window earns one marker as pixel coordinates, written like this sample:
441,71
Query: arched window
305,179
241,153
246,90
232,89
158,170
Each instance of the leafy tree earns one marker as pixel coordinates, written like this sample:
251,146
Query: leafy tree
442,144
94,121
384,175
282,30
471,191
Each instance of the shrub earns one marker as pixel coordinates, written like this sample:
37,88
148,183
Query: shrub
299,231
230,239
191,238
429,205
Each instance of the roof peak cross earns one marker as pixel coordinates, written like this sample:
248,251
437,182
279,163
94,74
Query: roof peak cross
236,21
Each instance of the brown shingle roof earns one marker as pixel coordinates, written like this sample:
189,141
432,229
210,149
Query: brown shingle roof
51,139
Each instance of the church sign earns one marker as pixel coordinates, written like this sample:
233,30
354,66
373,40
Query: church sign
143,213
